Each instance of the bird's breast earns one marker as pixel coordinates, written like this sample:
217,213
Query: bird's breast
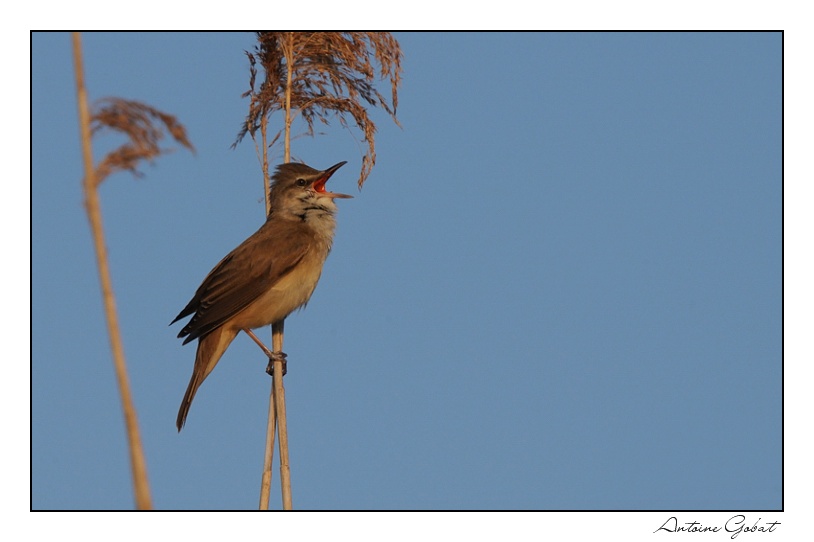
289,293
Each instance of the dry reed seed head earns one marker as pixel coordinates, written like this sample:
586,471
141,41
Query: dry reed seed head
137,121
332,74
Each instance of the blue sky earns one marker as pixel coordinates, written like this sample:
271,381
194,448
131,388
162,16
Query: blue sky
561,287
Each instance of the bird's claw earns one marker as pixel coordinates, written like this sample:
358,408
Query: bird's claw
276,356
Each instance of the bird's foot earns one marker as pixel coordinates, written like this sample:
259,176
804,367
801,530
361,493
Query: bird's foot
276,356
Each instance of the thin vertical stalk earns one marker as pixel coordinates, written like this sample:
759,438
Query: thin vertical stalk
277,329
266,176
289,64
265,483
268,454
279,404
137,462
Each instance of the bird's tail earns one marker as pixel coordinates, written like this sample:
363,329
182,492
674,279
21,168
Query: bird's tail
187,402
210,349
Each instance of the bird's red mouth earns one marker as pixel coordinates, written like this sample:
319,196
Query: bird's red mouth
319,184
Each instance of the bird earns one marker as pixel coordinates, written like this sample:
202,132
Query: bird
268,276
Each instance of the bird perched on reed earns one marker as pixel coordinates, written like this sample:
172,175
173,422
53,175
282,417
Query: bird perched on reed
268,276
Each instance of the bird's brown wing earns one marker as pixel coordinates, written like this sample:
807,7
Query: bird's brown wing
244,275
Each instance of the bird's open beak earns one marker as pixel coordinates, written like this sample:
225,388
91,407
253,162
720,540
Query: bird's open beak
319,184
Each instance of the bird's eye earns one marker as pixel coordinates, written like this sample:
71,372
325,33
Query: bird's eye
301,182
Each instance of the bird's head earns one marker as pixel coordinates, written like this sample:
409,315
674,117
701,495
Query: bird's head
298,189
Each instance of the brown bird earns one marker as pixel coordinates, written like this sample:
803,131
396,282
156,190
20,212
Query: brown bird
268,276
